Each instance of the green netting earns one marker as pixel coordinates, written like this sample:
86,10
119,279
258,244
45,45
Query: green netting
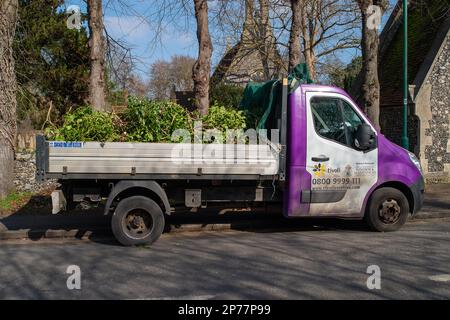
260,99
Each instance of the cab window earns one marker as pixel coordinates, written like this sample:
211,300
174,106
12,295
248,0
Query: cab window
335,119
351,119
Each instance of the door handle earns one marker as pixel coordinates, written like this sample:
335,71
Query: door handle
320,158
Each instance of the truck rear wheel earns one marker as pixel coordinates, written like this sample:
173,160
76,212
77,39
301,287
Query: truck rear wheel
137,220
388,210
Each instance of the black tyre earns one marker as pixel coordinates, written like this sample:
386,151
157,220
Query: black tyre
137,220
387,210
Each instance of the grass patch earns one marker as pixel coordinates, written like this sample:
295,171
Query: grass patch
14,200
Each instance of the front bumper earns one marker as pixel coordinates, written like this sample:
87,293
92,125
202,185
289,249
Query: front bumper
417,190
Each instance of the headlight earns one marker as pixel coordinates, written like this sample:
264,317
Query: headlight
415,160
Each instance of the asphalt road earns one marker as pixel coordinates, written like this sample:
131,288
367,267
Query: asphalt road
306,263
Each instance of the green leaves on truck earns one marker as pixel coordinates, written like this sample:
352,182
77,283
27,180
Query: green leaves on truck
142,121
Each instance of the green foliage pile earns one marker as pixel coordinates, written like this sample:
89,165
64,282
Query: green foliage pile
154,121
86,124
223,118
143,121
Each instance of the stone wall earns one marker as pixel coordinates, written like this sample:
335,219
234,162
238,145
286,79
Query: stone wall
26,141
24,174
437,153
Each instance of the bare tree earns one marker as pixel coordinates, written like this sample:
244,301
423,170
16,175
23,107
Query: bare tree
8,88
369,43
326,26
321,28
169,76
97,87
294,35
181,72
159,82
202,67
263,39
254,55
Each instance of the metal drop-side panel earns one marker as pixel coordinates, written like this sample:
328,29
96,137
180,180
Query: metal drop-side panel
161,158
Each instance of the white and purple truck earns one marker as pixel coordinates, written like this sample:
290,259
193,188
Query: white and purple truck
326,160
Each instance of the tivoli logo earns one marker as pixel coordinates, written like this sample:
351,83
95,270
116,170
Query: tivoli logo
319,170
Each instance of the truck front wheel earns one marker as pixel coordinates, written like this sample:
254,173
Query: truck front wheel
387,210
137,220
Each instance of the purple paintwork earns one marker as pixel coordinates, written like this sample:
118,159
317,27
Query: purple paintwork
298,178
394,164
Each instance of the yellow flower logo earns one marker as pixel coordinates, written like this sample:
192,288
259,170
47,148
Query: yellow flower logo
319,170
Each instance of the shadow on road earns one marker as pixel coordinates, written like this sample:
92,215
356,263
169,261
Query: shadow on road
36,219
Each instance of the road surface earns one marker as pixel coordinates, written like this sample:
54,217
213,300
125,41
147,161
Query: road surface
310,262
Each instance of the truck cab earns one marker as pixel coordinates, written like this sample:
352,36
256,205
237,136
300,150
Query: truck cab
340,166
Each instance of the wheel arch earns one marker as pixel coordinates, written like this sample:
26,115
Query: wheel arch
403,188
150,189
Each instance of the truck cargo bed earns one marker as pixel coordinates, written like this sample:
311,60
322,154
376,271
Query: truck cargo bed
95,159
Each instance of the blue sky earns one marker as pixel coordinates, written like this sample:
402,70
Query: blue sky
127,25
177,37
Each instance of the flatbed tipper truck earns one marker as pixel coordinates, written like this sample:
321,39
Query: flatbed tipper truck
324,158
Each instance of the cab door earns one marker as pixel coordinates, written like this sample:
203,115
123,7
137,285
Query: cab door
341,175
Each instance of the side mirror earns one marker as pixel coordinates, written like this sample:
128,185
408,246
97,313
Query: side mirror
364,137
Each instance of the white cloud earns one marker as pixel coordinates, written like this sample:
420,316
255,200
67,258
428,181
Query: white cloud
135,31
128,28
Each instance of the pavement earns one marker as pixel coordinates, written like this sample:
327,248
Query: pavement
312,262
436,203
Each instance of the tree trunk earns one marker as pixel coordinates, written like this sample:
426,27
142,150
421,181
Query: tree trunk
371,84
294,36
310,60
265,38
97,55
308,39
202,66
8,103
